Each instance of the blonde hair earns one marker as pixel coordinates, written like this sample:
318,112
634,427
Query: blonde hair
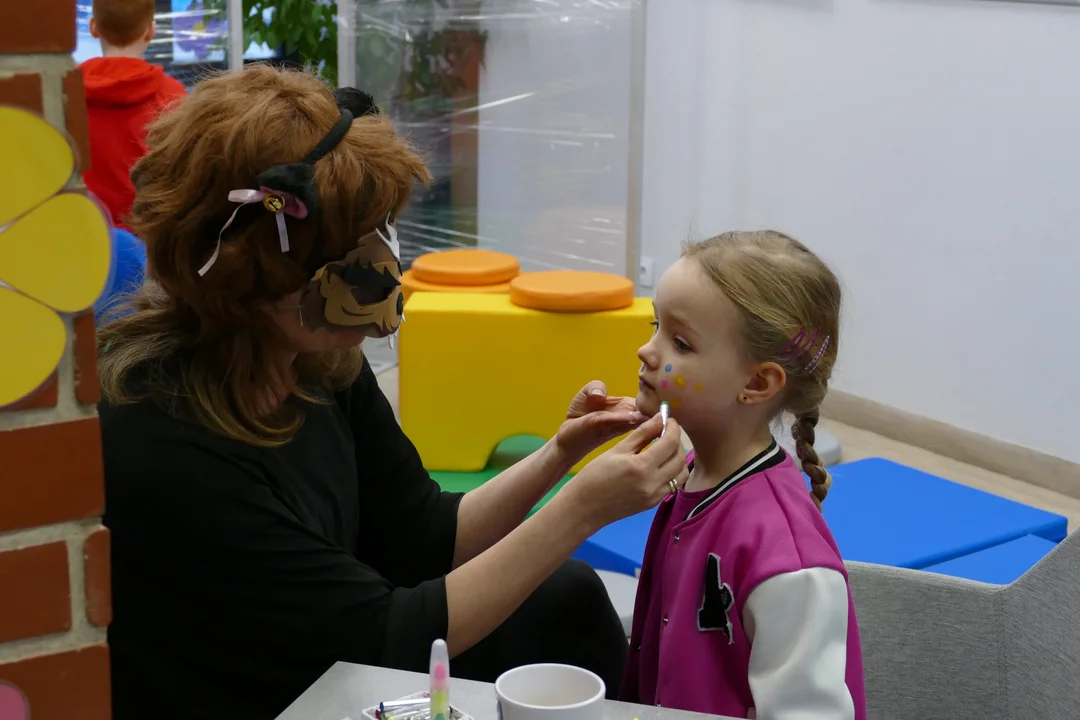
782,289
200,345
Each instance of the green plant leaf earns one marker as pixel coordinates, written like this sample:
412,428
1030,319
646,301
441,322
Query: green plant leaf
296,31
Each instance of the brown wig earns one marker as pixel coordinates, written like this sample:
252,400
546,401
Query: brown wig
202,345
782,289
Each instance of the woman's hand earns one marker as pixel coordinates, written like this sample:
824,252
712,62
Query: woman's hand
631,477
592,420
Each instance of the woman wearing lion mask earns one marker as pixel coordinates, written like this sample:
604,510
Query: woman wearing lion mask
268,516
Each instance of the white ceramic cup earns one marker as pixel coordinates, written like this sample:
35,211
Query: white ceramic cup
550,692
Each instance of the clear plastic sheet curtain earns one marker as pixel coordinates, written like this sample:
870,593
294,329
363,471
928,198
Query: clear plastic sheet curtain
526,112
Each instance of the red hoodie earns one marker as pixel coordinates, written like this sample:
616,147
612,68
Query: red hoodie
122,96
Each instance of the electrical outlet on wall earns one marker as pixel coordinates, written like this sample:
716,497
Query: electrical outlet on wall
645,272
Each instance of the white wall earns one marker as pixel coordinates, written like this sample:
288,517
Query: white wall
928,149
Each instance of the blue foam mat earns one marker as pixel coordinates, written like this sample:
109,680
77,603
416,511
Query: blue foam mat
883,512
1001,564
879,512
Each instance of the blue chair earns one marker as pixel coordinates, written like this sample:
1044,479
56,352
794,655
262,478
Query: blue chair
128,269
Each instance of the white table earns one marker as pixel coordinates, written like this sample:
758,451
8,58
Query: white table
345,690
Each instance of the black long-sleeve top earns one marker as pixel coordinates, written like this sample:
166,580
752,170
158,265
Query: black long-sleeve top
240,574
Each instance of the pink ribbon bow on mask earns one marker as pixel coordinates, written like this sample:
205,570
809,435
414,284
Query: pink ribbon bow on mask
276,201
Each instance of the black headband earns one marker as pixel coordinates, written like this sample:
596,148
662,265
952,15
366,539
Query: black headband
331,140
299,178
292,185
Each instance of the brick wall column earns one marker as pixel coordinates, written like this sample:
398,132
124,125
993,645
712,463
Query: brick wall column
54,553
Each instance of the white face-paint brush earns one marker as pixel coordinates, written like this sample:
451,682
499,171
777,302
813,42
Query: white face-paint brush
665,414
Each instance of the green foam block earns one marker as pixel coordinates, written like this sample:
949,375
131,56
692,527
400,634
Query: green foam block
506,454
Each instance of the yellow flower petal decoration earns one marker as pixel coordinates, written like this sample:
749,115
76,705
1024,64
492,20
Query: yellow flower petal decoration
30,142
34,339
55,251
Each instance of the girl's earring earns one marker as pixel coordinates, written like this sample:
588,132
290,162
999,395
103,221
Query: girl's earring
742,399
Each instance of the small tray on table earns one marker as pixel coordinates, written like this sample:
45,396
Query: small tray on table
372,713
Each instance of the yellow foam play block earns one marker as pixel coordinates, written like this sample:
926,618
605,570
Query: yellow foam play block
475,369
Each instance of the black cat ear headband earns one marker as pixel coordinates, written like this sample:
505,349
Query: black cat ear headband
289,189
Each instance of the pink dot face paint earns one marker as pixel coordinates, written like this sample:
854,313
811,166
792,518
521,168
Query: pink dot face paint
663,384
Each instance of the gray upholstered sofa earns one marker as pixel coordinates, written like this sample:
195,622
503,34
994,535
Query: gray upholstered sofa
937,647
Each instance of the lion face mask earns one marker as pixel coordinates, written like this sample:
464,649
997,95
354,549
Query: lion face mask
361,292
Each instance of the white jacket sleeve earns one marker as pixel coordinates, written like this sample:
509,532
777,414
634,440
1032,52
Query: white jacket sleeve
797,624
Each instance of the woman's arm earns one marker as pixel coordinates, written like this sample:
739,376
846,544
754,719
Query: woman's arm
625,480
491,511
488,513
797,624
442,531
484,591
433,531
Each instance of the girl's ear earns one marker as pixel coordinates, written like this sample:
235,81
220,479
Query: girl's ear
13,705
765,382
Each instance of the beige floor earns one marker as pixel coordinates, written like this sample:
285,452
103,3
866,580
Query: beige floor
859,444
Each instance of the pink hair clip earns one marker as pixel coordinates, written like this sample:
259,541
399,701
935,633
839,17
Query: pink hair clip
799,345
817,358
276,201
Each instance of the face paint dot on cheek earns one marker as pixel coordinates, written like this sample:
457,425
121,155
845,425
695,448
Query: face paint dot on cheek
667,368
698,387
663,384
680,381
676,404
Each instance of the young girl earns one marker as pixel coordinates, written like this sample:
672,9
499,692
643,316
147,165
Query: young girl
743,607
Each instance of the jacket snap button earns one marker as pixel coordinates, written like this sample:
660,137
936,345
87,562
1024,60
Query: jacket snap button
665,619
676,538
638,648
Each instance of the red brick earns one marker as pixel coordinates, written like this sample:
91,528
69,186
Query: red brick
75,118
71,685
87,388
37,593
44,397
98,591
22,91
45,26
51,473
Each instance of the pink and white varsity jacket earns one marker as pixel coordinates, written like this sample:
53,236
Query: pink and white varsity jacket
743,607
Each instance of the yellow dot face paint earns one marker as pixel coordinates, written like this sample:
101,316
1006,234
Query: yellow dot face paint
697,387
680,381
676,404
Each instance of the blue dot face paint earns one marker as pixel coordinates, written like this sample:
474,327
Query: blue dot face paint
667,368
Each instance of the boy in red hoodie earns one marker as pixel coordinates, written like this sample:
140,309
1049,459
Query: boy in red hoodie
123,94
